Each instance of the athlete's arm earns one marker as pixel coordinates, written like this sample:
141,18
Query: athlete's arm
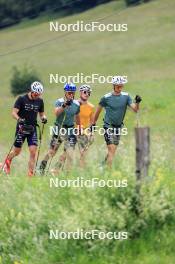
41,112
97,113
134,107
58,110
15,113
77,120
91,118
42,115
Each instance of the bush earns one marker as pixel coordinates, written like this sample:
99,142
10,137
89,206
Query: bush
22,79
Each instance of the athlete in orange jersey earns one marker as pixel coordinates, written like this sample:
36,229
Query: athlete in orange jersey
85,139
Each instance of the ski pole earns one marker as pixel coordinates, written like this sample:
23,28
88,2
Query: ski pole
137,119
65,115
41,131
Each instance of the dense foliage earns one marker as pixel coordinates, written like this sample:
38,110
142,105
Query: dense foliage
22,79
12,12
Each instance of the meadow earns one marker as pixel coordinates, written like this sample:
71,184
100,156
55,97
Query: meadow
29,208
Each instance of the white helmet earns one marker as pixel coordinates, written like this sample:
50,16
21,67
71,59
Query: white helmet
37,87
119,80
85,87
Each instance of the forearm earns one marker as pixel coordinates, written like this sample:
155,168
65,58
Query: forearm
42,115
59,110
96,115
15,115
91,119
77,120
136,107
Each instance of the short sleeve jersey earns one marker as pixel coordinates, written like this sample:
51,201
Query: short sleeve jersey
86,112
115,108
67,117
29,108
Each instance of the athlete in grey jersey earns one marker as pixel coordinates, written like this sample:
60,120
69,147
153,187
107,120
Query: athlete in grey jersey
115,105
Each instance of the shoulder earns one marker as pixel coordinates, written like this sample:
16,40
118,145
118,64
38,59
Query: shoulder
108,95
20,98
60,100
90,105
40,100
124,93
76,102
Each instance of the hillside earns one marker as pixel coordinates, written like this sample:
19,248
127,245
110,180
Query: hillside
145,53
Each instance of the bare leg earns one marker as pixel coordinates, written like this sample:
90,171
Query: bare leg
70,157
15,152
31,164
61,161
82,158
50,154
110,155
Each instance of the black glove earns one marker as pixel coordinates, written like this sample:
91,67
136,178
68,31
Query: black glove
138,99
44,120
67,103
21,121
92,127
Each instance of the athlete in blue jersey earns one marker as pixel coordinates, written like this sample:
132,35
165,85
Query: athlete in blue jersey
67,114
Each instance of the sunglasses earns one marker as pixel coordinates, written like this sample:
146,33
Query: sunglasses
86,92
35,94
70,93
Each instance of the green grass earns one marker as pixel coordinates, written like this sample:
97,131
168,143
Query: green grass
29,207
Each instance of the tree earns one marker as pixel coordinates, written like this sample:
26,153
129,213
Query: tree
22,79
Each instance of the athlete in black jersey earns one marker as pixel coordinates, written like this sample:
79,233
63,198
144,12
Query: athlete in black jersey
25,111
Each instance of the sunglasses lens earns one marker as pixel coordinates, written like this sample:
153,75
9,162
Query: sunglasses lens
35,94
86,92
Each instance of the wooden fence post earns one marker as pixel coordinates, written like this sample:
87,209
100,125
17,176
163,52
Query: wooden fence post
142,137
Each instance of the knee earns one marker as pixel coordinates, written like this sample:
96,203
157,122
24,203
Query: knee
70,151
111,153
32,154
17,152
62,157
52,152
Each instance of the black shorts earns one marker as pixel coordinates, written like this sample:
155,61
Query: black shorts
112,136
20,137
